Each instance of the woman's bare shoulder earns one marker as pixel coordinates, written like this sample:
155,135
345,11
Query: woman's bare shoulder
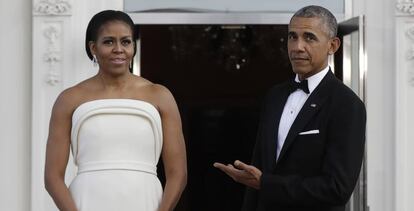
72,97
157,90
155,93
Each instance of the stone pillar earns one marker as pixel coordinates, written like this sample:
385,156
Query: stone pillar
404,138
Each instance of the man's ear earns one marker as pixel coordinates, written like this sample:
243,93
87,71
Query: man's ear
334,45
92,47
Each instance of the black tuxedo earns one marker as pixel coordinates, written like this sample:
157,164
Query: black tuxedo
314,172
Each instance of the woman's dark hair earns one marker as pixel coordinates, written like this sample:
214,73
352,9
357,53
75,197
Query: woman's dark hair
102,18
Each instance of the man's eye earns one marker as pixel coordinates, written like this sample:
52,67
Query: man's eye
310,38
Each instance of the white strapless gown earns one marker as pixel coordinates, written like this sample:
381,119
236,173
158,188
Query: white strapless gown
116,144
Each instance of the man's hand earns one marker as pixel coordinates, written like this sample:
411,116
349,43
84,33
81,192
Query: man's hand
242,173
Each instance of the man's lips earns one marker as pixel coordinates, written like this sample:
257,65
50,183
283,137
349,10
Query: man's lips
299,58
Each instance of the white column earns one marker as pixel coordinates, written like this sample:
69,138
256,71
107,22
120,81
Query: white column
404,168
51,24
59,61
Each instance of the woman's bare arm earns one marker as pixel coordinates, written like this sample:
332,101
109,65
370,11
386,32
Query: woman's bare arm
57,153
173,151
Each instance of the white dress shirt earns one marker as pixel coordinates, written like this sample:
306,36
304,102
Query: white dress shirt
293,105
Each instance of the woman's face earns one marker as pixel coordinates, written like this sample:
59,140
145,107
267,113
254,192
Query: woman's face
114,47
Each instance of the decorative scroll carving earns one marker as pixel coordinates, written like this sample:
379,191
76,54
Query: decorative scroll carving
52,7
406,6
411,78
52,56
410,34
410,53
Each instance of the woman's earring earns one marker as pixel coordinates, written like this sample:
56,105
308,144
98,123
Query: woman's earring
94,60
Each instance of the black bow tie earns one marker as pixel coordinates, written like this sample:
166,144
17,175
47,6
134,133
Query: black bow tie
299,85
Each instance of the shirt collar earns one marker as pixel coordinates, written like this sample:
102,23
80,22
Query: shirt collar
314,80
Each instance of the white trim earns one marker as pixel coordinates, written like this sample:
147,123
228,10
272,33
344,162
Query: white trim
214,18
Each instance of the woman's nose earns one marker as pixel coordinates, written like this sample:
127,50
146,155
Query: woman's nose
117,47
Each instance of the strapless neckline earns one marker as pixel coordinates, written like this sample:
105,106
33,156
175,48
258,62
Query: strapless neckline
114,107
122,100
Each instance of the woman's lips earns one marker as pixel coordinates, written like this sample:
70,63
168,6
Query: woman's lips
118,61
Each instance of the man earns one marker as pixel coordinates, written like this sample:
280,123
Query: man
311,136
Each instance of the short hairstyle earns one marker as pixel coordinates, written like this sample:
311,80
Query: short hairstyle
324,14
101,18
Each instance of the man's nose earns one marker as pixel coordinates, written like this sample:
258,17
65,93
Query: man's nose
299,45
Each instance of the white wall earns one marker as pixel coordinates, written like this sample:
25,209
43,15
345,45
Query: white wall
15,106
380,45
380,100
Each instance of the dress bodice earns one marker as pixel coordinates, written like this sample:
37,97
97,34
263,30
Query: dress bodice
116,134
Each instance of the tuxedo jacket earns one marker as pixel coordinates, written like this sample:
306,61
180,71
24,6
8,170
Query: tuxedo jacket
321,158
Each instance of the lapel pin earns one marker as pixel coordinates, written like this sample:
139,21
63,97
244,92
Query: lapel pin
313,105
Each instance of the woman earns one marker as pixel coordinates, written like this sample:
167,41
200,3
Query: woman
117,125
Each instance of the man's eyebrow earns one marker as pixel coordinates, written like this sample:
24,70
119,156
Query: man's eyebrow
310,34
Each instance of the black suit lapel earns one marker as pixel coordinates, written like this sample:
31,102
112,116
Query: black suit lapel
278,101
309,109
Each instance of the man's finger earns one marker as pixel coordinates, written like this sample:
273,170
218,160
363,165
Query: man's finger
243,166
249,168
228,169
218,165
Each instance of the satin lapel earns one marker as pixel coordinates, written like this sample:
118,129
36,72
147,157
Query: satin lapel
272,122
309,109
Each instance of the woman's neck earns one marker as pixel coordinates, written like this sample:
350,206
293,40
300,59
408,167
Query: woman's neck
112,82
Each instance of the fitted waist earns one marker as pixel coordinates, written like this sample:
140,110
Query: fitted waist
117,165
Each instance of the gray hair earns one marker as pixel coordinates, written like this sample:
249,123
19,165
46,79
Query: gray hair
313,11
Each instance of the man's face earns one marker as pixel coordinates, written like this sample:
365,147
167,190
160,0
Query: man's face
309,46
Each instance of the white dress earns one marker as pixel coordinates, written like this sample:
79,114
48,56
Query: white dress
116,144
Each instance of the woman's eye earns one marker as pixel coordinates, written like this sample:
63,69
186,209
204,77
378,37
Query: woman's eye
126,42
107,42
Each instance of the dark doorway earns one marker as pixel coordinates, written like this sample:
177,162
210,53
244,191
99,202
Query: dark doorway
218,75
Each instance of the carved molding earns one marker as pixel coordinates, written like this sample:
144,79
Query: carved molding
52,56
411,78
410,34
410,53
406,6
52,7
